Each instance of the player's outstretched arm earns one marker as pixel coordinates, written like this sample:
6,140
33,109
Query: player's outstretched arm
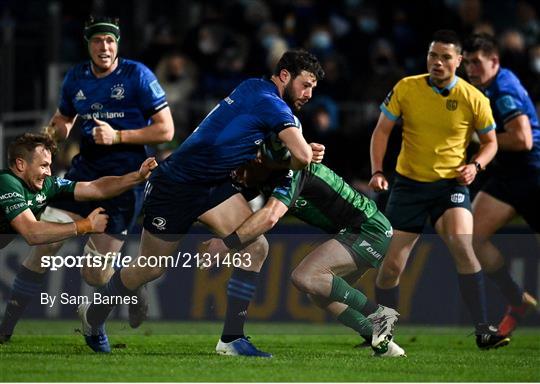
161,130
379,143
59,126
301,152
111,186
257,224
37,232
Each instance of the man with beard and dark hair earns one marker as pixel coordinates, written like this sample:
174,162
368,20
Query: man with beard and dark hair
194,184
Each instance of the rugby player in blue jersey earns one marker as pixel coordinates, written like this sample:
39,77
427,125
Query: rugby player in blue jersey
121,107
514,185
194,184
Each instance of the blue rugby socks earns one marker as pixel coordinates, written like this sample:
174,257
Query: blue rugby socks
27,284
98,313
240,292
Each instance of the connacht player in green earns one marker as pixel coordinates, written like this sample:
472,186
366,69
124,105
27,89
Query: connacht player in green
321,198
27,186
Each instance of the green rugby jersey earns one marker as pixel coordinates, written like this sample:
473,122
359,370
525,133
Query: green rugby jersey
16,197
319,197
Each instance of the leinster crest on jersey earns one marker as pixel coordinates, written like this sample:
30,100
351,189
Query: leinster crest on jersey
117,91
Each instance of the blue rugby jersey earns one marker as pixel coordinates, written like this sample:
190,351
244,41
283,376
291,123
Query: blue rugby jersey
509,99
230,134
126,99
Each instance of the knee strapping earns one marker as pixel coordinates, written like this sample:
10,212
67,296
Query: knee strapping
91,251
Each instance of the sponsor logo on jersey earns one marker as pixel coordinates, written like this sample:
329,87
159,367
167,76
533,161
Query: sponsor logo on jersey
102,115
370,249
10,195
14,207
159,223
300,203
451,104
117,92
457,198
258,142
80,95
96,107
389,233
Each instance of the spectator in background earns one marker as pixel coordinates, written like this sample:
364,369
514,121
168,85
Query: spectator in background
513,51
533,79
178,78
527,22
371,87
337,82
470,14
320,41
484,27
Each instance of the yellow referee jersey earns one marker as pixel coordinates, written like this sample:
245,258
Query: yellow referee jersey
437,125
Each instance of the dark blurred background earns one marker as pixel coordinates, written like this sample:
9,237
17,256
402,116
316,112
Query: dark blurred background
200,50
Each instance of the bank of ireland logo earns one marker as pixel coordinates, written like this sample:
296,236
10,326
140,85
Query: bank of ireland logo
457,198
451,104
96,107
159,223
117,91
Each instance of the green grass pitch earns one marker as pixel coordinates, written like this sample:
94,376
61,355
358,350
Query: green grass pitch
54,351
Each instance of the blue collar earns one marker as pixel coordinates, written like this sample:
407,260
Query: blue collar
448,88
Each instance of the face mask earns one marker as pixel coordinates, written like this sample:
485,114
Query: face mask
368,24
321,40
207,46
268,41
536,65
